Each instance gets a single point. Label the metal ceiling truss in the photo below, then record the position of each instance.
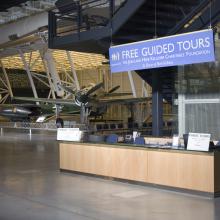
(57, 67)
(5, 90)
(50, 78)
(80, 60)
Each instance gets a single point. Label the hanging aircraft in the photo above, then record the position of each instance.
(28, 112)
(92, 100)
(18, 112)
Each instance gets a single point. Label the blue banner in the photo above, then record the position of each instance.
(194, 47)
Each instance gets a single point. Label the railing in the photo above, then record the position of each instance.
(81, 16)
(38, 126)
(27, 125)
(102, 128)
(193, 15)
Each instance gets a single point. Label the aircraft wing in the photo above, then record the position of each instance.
(71, 102)
(26, 105)
(117, 94)
(45, 100)
(113, 89)
(124, 101)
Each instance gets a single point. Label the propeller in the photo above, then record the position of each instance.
(94, 88)
(111, 94)
(113, 89)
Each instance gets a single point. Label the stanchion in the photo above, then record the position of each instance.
(30, 133)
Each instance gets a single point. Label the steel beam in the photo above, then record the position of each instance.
(27, 68)
(181, 114)
(48, 57)
(7, 79)
(157, 104)
(48, 76)
(181, 103)
(73, 70)
(180, 25)
(132, 84)
(144, 89)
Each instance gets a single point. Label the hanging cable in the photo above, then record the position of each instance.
(155, 18)
(111, 7)
(210, 14)
(111, 33)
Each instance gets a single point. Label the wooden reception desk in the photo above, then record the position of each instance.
(181, 169)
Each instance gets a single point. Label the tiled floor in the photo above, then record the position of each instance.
(32, 188)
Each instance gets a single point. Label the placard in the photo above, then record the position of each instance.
(69, 134)
(176, 141)
(136, 134)
(198, 141)
(41, 119)
(189, 48)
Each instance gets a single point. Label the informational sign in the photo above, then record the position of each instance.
(69, 134)
(198, 141)
(176, 141)
(136, 134)
(194, 47)
(41, 119)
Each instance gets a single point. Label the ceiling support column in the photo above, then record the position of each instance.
(27, 68)
(132, 84)
(157, 104)
(48, 58)
(48, 76)
(76, 82)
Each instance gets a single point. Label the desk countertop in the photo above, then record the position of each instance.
(143, 147)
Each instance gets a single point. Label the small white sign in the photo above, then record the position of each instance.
(136, 134)
(69, 134)
(41, 119)
(176, 141)
(198, 142)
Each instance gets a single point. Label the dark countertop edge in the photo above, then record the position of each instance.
(135, 147)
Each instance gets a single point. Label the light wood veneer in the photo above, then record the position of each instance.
(193, 171)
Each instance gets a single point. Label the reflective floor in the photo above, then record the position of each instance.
(32, 188)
